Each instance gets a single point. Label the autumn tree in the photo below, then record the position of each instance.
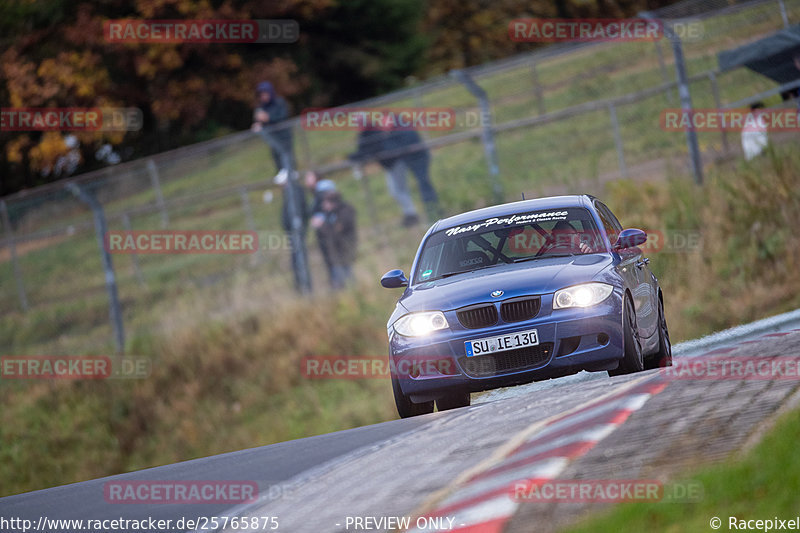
(464, 34)
(54, 54)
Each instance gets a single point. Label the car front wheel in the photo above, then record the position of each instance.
(632, 360)
(453, 401)
(405, 407)
(663, 357)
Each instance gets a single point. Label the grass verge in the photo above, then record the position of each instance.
(762, 485)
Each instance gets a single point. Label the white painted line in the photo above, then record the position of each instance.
(550, 468)
(546, 468)
(591, 434)
(630, 401)
(492, 509)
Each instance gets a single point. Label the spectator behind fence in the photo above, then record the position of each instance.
(754, 134)
(338, 237)
(272, 109)
(293, 189)
(318, 189)
(373, 143)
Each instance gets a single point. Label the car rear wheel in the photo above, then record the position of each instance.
(663, 357)
(632, 360)
(405, 407)
(453, 401)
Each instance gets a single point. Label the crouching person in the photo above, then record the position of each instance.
(338, 237)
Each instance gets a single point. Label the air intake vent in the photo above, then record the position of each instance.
(477, 316)
(518, 309)
(489, 365)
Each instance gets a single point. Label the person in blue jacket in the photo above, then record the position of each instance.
(272, 109)
(378, 145)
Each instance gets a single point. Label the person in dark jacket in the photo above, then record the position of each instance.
(370, 145)
(339, 237)
(319, 189)
(272, 109)
(374, 143)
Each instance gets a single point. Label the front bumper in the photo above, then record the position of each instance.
(570, 340)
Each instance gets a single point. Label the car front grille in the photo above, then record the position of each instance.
(518, 309)
(477, 316)
(503, 362)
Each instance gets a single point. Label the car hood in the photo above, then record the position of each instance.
(540, 276)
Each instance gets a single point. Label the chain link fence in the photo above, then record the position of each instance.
(564, 118)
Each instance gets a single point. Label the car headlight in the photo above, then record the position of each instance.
(419, 324)
(584, 295)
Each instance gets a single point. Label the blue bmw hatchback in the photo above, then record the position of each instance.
(520, 292)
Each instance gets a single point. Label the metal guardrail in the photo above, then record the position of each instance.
(151, 174)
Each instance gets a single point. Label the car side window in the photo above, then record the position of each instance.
(613, 217)
(610, 222)
(429, 262)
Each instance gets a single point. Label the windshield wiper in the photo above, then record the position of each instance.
(532, 257)
(448, 274)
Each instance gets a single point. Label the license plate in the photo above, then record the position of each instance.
(502, 343)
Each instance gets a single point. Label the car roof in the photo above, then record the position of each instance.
(523, 206)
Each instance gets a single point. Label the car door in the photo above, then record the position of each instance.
(634, 268)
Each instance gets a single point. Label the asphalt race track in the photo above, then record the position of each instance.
(450, 465)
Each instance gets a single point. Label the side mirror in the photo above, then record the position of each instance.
(394, 279)
(628, 238)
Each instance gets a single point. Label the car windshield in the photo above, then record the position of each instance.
(508, 239)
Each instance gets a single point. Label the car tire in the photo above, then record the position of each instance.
(453, 401)
(663, 357)
(632, 359)
(405, 407)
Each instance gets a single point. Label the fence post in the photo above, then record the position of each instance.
(358, 174)
(248, 212)
(784, 16)
(126, 223)
(251, 224)
(663, 67)
(290, 189)
(685, 97)
(623, 168)
(12, 247)
(712, 77)
(111, 281)
(308, 156)
(418, 96)
(487, 135)
(537, 89)
(152, 169)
